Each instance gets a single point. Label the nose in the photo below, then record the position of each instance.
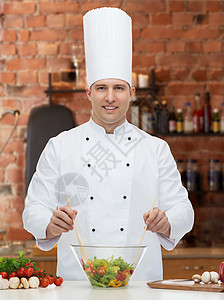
(110, 96)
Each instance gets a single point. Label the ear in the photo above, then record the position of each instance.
(88, 94)
(132, 92)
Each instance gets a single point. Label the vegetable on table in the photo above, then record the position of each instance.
(206, 277)
(20, 272)
(4, 275)
(58, 281)
(44, 282)
(14, 282)
(108, 273)
(34, 282)
(24, 283)
(4, 283)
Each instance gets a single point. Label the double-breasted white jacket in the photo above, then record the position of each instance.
(111, 180)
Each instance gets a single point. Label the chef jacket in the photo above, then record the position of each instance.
(111, 180)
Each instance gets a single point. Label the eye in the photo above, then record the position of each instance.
(100, 88)
(119, 88)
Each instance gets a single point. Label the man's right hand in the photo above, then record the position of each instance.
(61, 221)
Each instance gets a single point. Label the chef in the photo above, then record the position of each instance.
(110, 170)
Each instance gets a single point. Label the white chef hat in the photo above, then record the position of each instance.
(108, 44)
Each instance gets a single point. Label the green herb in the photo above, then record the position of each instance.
(10, 265)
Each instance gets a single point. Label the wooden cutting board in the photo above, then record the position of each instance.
(181, 284)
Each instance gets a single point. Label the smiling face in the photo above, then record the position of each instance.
(110, 100)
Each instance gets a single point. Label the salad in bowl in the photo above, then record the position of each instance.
(109, 266)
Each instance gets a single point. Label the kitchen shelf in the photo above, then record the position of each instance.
(203, 134)
(150, 90)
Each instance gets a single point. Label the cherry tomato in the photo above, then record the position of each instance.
(28, 265)
(21, 272)
(28, 272)
(13, 274)
(50, 278)
(4, 275)
(58, 281)
(44, 282)
(119, 276)
(100, 271)
(125, 273)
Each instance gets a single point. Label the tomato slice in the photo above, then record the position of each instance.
(125, 273)
(100, 271)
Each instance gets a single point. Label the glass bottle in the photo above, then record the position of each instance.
(146, 116)
(188, 119)
(77, 59)
(179, 120)
(214, 175)
(207, 113)
(222, 119)
(192, 175)
(164, 119)
(135, 111)
(215, 121)
(181, 169)
(198, 118)
(156, 114)
(172, 120)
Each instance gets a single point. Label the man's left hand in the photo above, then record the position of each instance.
(157, 221)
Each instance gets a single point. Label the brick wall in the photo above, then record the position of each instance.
(181, 40)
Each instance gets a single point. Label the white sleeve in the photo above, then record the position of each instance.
(47, 245)
(41, 198)
(173, 199)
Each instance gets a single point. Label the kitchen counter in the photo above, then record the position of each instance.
(193, 253)
(185, 262)
(82, 290)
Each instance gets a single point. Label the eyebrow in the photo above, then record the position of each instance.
(98, 85)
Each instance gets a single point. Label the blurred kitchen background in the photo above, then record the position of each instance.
(178, 47)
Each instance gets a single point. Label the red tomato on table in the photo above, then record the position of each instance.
(4, 275)
(28, 272)
(58, 281)
(44, 282)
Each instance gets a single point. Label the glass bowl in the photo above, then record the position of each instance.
(108, 266)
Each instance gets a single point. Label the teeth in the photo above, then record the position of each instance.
(109, 107)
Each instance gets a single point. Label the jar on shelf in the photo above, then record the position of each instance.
(214, 175)
(192, 175)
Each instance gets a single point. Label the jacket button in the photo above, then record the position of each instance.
(121, 229)
(87, 138)
(124, 197)
(89, 165)
(91, 198)
(93, 229)
(129, 138)
(127, 164)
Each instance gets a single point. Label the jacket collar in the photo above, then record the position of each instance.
(102, 131)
